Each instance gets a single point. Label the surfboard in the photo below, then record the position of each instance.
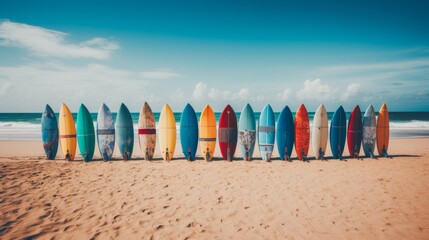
(319, 133)
(302, 133)
(189, 132)
(207, 133)
(49, 133)
(67, 131)
(247, 132)
(369, 132)
(167, 133)
(354, 132)
(85, 133)
(383, 131)
(105, 132)
(147, 131)
(125, 132)
(228, 133)
(285, 134)
(266, 132)
(338, 133)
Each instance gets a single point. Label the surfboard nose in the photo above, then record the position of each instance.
(48, 108)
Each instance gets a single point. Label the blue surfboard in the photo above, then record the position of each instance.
(189, 132)
(247, 132)
(338, 132)
(105, 132)
(266, 132)
(125, 132)
(49, 133)
(285, 133)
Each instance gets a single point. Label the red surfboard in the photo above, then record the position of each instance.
(354, 132)
(302, 133)
(227, 133)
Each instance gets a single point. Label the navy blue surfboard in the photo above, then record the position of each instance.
(49, 133)
(338, 132)
(285, 133)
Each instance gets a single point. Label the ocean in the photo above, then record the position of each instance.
(26, 126)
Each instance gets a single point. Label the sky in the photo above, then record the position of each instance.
(214, 52)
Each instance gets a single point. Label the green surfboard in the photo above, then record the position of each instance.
(85, 133)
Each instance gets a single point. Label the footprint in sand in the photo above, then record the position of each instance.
(191, 224)
(116, 218)
(5, 227)
(160, 227)
(67, 228)
(22, 215)
(47, 214)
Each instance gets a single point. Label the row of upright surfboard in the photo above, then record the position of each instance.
(369, 132)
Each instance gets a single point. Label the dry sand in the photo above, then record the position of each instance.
(368, 199)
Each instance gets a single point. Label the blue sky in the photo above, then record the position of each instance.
(214, 52)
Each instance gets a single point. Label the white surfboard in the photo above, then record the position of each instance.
(369, 132)
(319, 132)
(147, 132)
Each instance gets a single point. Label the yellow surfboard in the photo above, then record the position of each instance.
(207, 132)
(383, 131)
(67, 131)
(167, 133)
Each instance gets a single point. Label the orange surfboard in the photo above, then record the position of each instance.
(383, 131)
(207, 133)
(302, 132)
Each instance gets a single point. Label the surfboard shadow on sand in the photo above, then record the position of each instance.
(363, 157)
(274, 159)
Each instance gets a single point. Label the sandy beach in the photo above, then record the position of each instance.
(356, 199)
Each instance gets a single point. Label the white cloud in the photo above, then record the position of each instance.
(244, 94)
(50, 43)
(367, 98)
(52, 82)
(54, 72)
(316, 90)
(200, 91)
(160, 74)
(283, 96)
(422, 94)
(384, 66)
(261, 98)
(5, 88)
(351, 90)
(214, 93)
(59, 72)
(178, 95)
